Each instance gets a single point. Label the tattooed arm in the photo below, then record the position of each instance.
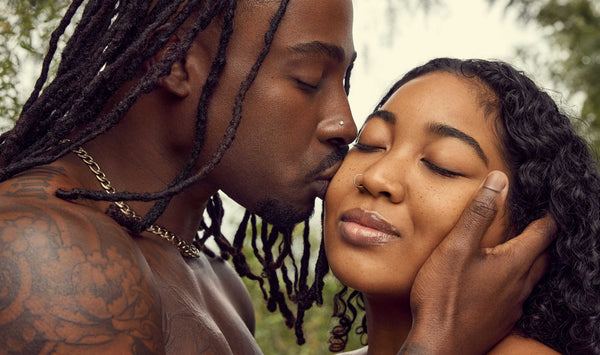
(71, 280)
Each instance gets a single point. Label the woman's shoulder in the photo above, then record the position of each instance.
(515, 344)
(360, 351)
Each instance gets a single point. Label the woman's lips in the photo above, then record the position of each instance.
(361, 227)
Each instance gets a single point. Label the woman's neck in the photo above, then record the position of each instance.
(388, 323)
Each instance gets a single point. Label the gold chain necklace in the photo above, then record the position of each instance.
(187, 250)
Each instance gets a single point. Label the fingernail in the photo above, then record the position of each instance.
(495, 181)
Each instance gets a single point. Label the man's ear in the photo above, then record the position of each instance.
(177, 81)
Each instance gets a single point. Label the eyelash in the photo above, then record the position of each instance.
(430, 165)
(366, 148)
(306, 86)
(439, 170)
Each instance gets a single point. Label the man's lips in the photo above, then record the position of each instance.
(327, 174)
(366, 228)
(322, 184)
(331, 161)
(324, 179)
(323, 174)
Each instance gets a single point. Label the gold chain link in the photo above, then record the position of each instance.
(187, 250)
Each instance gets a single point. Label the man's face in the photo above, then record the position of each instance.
(296, 118)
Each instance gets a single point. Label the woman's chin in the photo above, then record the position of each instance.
(373, 286)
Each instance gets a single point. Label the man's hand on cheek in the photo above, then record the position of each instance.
(466, 298)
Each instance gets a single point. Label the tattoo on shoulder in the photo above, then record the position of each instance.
(60, 293)
(34, 183)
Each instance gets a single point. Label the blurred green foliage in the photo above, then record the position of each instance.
(25, 27)
(274, 337)
(573, 32)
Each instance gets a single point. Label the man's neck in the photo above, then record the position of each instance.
(130, 165)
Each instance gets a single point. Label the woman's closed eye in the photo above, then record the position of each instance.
(367, 147)
(439, 170)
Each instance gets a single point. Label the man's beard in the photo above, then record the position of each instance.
(282, 215)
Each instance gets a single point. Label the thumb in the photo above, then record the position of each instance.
(481, 211)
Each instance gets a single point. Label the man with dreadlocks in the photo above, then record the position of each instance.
(109, 169)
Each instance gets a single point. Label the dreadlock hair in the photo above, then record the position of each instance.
(117, 37)
(552, 170)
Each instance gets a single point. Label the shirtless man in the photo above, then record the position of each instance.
(140, 91)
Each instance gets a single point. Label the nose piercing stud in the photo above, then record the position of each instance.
(360, 187)
(342, 123)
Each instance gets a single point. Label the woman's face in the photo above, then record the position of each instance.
(421, 158)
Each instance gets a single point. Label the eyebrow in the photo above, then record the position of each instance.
(334, 52)
(438, 129)
(387, 116)
(443, 130)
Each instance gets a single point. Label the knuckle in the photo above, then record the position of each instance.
(454, 253)
(483, 208)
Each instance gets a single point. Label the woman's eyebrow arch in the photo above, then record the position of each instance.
(387, 116)
(444, 130)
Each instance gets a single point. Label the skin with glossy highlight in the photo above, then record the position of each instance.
(415, 166)
(423, 154)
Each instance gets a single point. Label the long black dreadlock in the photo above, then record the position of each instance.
(117, 37)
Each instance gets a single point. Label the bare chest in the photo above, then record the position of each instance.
(202, 314)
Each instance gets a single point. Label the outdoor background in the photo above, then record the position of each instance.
(557, 42)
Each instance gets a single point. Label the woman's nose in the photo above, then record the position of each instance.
(381, 182)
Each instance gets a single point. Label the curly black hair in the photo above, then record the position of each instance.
(552, 170)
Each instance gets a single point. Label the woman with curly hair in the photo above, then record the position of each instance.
(432, 139)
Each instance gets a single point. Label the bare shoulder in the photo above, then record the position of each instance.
(359, 351)
(235, 291)
(70, 280)
(515, 344)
